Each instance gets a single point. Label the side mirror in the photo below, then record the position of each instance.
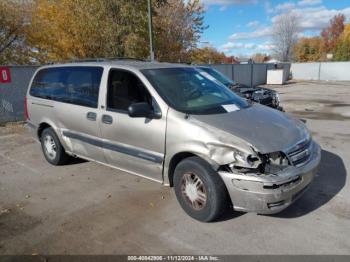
(140, 110)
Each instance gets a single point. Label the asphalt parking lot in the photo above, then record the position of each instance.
(86, 208)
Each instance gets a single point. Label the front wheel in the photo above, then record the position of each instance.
(199, 189)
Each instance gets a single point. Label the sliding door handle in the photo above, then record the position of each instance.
(91, 116)
(107, 119)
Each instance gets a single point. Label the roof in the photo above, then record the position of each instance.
(126, 63)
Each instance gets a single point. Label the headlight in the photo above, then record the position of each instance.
(307, 134)
(239, 156)
(305, 131)
(245, 160)
(277, 97)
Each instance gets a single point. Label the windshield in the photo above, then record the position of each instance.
(219, 76)
(191, 91)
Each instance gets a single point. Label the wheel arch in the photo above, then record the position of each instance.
(46, 123)
(177, 158)
(42, 126)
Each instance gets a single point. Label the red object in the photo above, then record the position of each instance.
(26, 115)
(230, 60)
(5, 75)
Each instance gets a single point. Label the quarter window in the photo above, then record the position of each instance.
(74, 85)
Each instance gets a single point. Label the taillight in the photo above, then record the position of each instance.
(26, 115)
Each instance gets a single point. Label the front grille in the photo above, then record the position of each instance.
(300, 154)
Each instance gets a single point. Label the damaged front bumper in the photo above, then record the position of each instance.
(269, 194)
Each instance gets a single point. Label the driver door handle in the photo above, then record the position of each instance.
(107, 119)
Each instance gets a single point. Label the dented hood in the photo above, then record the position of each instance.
(266, 129)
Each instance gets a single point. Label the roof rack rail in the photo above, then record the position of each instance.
(128, 58)
(77, 60)
(83, 60)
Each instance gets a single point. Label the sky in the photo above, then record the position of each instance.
(243, 27)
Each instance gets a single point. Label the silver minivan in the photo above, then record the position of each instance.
(177, 126)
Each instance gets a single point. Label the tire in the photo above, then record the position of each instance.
(52, 148)
(195, 172)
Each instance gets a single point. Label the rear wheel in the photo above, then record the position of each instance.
(52, 148)
(199, 189)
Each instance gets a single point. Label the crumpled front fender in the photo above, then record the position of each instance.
(188, 135)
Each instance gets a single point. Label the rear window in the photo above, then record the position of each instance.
(74, 85)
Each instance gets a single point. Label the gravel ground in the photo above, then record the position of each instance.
(86, 208)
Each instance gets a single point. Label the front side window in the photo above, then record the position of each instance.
(190, 91)
(74, 85)
(124, 89)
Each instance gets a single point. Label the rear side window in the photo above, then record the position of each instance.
(74, 85)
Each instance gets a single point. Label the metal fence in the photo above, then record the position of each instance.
(12, 94)
(249, 74)
(334, 71)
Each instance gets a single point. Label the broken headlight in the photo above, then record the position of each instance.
(259, 164)
(245, 160)
(275, 99)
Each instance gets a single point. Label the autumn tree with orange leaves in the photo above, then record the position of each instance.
(332, 32)
(65, 29)
(309, 49)
(334, 39)
(57, 30)
(13, 23)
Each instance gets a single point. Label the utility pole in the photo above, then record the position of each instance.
(150, 30)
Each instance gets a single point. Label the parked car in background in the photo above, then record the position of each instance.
(174, 125)
(264, 96)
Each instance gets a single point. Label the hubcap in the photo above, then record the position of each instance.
(193, 191)
(50, 147)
